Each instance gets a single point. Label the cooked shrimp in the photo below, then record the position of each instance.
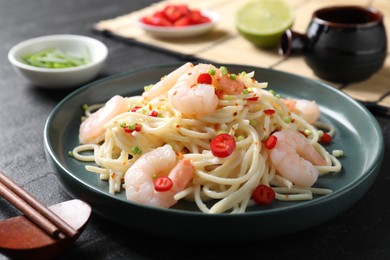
(167, 82)
(309, 110)
(294, 158)
(191, 98)
(92, 129)
(197, 100)
(159, 162)
(230, 86)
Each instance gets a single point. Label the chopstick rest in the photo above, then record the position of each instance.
(20, 238)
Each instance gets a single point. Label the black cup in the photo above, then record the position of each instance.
(342, 43)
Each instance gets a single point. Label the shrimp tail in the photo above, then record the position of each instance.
(181, 174)
(92, 129)
(167, 82)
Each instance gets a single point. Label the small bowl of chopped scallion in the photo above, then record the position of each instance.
(59, 61)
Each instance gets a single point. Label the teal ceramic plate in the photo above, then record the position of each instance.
(357, 133)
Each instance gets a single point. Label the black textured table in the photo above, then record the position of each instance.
(361, 232)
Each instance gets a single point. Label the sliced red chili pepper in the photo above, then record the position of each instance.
(153, 113)
(162, 184)
(270, 142)
(156, 20)
(172, 13)
(197, 17)
(263, 195)
(269, 112)
(175, 15)
(128, 130)
(183, 21)
(253, 99)
(205, 78)
(138, 127)
(135, 108)
(222, 145)
(326, 138)
(183, 8)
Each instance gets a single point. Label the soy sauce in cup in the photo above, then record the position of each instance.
(342, 43)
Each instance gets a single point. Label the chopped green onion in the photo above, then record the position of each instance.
(70, 153)
(85, 106)
(122, 124)
(287, 120)
(233, 76)
(131, 127)
(245, 91)
(211, 71)
(223, 70)
(55, 58)
(228, 97)
(136, 150)
(272, 92)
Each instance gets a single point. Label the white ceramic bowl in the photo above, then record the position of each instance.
(62, 77)
(181, 31)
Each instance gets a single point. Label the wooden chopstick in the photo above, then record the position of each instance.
(34, 209)
(29, 211)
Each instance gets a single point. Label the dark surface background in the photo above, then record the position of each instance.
(361, 232)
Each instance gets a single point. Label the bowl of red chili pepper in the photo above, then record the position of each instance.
(178, 20)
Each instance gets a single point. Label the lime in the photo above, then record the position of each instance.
(263, 21)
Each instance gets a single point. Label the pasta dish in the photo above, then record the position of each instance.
(209, 135)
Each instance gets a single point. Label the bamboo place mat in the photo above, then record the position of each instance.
(225, 45)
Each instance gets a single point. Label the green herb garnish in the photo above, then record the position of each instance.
(55, 59)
